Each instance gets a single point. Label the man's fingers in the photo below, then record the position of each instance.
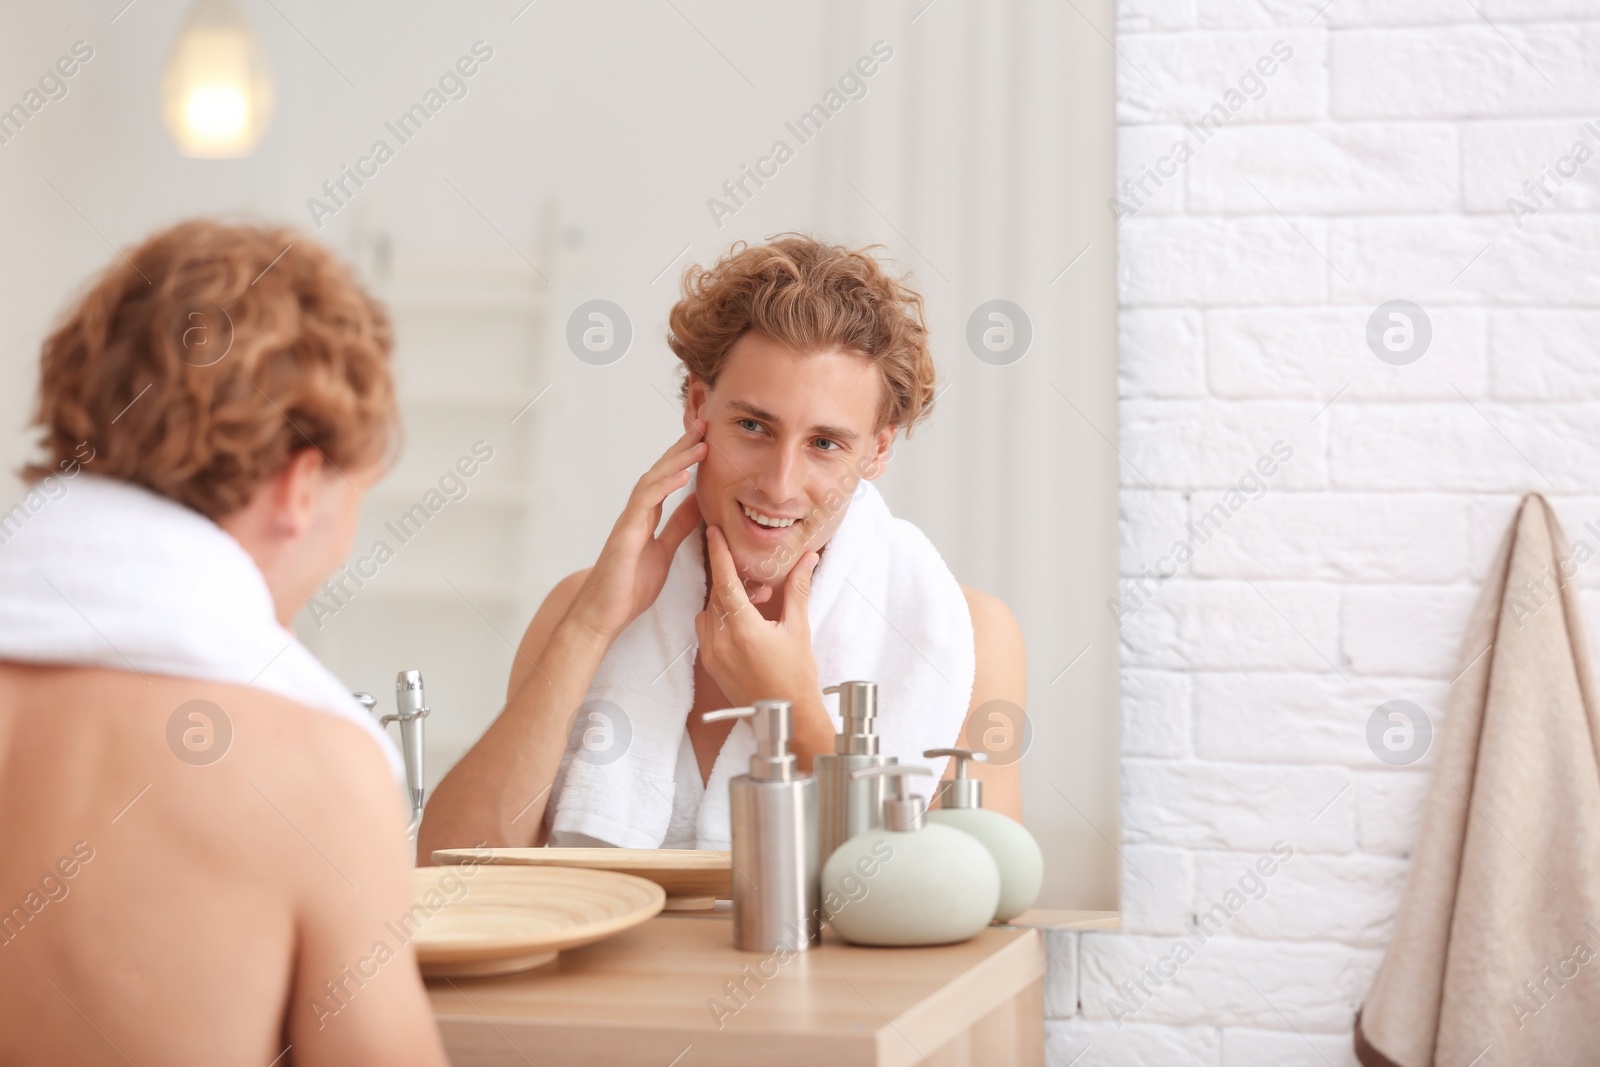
(685, 451)
(797, 594)
(655, 486)
(684, 519)
(726, 589)
(669, 474)
(645, 504)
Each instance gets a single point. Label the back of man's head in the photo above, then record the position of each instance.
(200, 362)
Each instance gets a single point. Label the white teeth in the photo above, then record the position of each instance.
(757, 517)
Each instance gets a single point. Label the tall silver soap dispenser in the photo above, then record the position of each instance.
(847, 805)
(1015, 851)
(773, 810)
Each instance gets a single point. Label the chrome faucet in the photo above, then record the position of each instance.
(413, 708)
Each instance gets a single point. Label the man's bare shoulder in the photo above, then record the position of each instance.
(170, 730)
(122, 700)
(992, 619)
(1000, 658)
(1001, 674)
(316, 768)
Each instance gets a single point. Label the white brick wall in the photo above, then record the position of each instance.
(1373, 165)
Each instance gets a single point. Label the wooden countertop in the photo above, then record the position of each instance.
(646, 997)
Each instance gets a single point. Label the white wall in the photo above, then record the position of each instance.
(1381, 158)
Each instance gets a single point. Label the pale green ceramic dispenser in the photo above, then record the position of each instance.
(1015, 851)
(909, 882)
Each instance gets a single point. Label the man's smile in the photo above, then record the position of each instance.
(766, 518)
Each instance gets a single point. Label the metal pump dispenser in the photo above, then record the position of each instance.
(847, 805)
(773, 812)
(960, 791)
(901, 813)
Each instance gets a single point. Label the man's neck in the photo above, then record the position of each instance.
(246, 530)
(773, 608)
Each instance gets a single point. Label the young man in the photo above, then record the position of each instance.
(204, 833)
(781, 572)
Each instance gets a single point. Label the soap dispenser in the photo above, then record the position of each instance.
(773, 814)
(908, 882)
(845, 805)
(1015, 851)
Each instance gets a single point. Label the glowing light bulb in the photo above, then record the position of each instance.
(216, 91)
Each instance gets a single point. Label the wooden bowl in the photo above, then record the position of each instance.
(692, 878)
(485, 920)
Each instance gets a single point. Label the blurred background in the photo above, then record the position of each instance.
(591, 154)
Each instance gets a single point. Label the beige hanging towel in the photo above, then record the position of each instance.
(1495, 959)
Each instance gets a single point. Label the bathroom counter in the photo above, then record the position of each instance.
(645, 997)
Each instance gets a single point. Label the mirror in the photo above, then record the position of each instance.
(526, 184)
(981, 181)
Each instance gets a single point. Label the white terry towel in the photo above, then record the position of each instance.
(111, 575)
(884, 608)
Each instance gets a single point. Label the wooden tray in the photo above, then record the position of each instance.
(692, 878)
(495, 920)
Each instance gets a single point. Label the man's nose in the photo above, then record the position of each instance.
(779, 479)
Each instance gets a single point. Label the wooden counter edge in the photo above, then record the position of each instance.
(953, 1009)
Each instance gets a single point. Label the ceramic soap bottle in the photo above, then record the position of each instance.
(1015, 851)
(908, 882)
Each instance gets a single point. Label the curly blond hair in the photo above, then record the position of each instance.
(810, 296)
(198, 364)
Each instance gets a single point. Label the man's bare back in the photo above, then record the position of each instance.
(157, 909)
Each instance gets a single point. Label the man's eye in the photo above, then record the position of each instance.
(750, 424)
(832, 445)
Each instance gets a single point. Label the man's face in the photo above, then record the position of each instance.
(791, 435)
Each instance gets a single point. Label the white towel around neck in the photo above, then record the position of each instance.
(884, 608)
(96, 572)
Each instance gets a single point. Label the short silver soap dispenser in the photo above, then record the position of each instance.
(773, 811)
(1015, 851)
(847, 805)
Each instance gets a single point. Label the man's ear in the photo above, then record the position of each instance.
(293, 492)
(694, 401)
(882, 451)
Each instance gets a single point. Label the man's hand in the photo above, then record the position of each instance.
(747, 656)
(633, 565)
(498, 792)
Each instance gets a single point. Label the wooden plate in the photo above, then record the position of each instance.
(484, 920)
(692, 878)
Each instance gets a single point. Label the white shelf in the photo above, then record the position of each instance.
(476, 329)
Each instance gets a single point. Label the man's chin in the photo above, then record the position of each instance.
(757, 569)
(762, 565)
